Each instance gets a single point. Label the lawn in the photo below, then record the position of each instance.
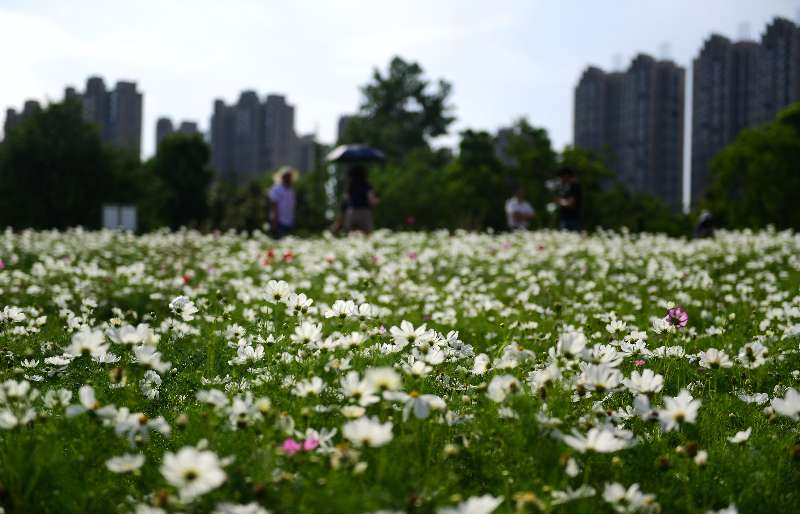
(405, 372)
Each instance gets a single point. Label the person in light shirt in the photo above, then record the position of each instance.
(282, 202)
(519, 212)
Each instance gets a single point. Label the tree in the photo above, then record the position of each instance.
(401, 111)
(55, 172)
(755, 181)
(181, 167)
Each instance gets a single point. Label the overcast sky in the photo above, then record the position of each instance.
(506, 59)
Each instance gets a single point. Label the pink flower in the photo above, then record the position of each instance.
(310, 444)
(290, 446)
(677, 316)
(639, 362)
(2, 264)
(412, 256)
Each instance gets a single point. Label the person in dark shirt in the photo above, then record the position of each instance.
(360, 200)
(569, 200)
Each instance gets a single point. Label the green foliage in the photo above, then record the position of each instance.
(400, 111)
(755, 180)
(55, 172)
(181, 167)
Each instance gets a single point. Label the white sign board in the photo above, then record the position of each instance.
(119, 217)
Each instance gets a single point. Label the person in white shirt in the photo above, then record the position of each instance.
(519, 212)
(282, 200)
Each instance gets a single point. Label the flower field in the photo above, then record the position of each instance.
(405, 372)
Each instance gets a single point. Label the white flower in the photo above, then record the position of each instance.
(277, 291)
(501, 386)
(741, 436)
(125, 463)
(247, 508)
(363, 391)
(713, 358)
(600, 440)
(383, 378)
(630, 499)
(367, 431)
(183, 307)
(312, 386)
(646, 382)
(246, 353)
(149, 357)
(193, 472)
(599, 377)
(421, 404)
(570, 494)
(90, 342)
(89, 403)
(481, 364)
(570, 344)
(616, 326)
(406, 333)
(342, 309)
(680, 409)
(307, 333)
(789, 405)
(476, 505)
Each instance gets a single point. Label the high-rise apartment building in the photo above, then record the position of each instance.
(633, 120)
(164, 128)
(253, 137)
(116, 113)
(737, 85)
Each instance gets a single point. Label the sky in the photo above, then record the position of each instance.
(505, 58)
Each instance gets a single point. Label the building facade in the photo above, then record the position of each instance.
(116, 113)
(737, 85)
(165, 127)
(633, 120)
(252, 136)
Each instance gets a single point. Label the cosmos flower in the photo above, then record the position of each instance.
(789, 405)
(600, 440)
(677, 317)
(741, 437)
(485, 504)
(678, 410)
(126, 463)
(193, 472)
(368, 432)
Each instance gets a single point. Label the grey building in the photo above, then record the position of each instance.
(738, 85)
(633, 120)
(13, 118)
(779, 69)
(723, 101)
(252, 137)
(597, 114)
(165, 127)
(116, 113)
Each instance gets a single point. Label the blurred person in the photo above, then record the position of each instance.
(519, 212)
(360, 200)
(282, 202)
(569, 200)
(705, 226)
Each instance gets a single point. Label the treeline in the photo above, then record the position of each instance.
(56, 173)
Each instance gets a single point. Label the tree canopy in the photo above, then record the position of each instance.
(755, 181)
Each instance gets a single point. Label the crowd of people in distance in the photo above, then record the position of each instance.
(359, 200)
(520, 213)
(355, 211)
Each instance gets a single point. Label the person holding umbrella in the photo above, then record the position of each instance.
(359, 198)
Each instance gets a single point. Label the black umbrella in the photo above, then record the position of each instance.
(355, 153)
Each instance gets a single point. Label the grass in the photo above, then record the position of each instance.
(497, 291)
